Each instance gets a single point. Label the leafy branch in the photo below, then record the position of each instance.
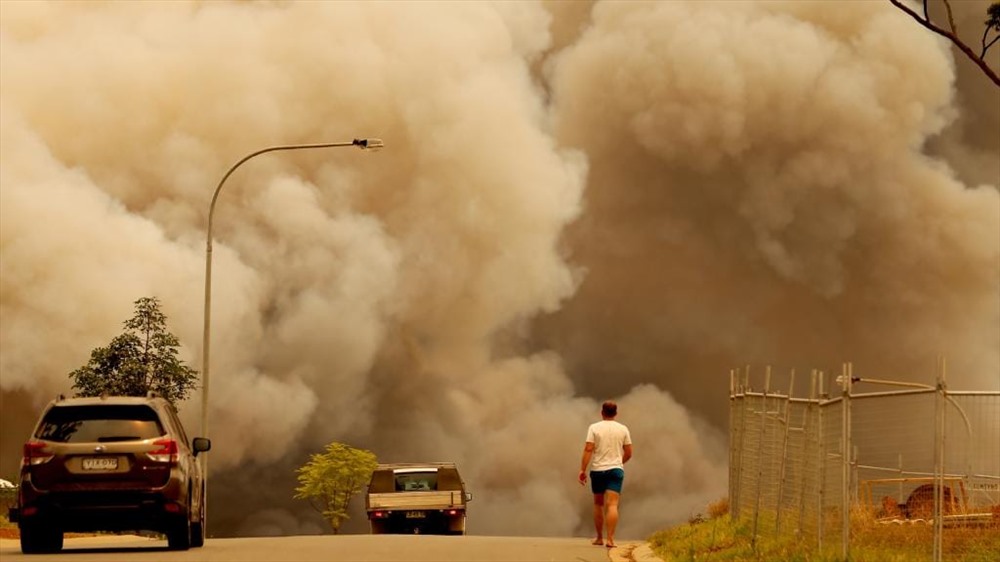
(992, 24)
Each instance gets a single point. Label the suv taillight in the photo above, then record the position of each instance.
(35, 453)
(167, 451)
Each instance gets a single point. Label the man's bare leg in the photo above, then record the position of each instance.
(599, 518)
(611, 506)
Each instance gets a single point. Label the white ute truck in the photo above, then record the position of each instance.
(410, 498)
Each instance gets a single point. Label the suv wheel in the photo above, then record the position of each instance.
(198, 527)
(37, 539)
(179, 538)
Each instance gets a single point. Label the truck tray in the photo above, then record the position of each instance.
(415, 500)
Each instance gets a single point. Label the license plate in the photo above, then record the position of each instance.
(101, 463)
(415, 515)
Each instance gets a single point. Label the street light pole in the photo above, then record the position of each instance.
(364, 144)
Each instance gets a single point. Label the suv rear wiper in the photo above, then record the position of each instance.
(119, 438)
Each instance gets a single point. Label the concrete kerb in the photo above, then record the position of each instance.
(633, 552)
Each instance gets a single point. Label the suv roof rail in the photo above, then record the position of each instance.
(152, 394)
(61, 397)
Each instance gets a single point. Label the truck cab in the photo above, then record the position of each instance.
(417, 498)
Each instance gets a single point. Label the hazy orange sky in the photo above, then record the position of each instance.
(577, 201)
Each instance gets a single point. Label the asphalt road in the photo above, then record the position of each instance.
(335, 548)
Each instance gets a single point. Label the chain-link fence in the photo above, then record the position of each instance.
(833, 466)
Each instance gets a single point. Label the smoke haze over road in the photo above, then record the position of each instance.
(578, 201)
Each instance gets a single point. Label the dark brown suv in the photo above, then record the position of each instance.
(110, 464)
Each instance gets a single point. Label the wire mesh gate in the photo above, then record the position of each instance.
(823, 465)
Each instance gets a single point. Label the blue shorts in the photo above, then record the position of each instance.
(604, 480)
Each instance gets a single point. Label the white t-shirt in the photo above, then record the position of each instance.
(609, 437)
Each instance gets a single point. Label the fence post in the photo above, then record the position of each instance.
(821, 455)
(734, 504)
(806, 438)
(784, 453)
(939, 438)
(845, 499)
(735, 446)
(760, 457)
(899, 486)
(732, 440)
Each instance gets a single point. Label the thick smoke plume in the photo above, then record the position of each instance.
(577, 202)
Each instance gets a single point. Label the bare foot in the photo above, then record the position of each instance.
(611, 545)
(598, 541)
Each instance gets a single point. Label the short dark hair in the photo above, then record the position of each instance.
(609, 409)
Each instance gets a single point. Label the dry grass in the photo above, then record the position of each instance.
(719, 508)
(721, 538)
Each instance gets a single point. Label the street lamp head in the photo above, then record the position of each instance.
(369, 144)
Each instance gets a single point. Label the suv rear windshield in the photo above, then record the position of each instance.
(102, 424)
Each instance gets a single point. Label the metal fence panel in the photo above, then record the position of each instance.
(828, 470)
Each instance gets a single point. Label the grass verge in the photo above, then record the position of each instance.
(720, 538)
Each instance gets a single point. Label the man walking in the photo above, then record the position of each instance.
(609, 446)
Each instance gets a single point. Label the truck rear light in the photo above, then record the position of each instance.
(171, 507)
(167, 451)
(35, 453)
(452, 512)
(379, 515)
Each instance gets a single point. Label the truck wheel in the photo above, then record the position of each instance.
(37, 539)
(378, 527)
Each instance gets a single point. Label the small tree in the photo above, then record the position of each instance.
(142, 359)
(330, 479)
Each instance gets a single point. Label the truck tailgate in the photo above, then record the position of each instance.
(415, 500)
